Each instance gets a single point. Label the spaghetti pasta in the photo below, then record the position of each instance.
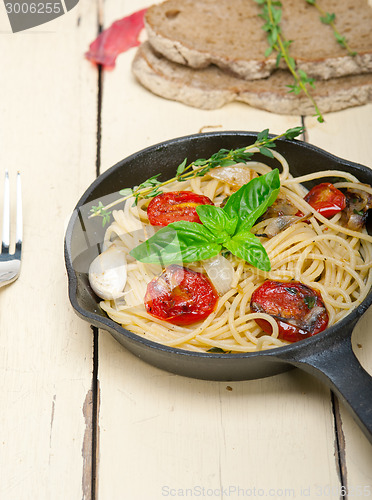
(319, 252)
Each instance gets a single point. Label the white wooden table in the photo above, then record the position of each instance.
(80, 416)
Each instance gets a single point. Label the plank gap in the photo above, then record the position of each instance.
(340, 451)
(304, 133)
(99, 116)
(95, 413)
(95, 382)
(99, 96)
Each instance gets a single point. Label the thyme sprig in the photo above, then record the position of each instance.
(329, 18)
(102, 211)
(198, 168)
(272, 14)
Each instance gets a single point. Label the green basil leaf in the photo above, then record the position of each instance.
(217, 221)
(253, 199)
(180, 241)
(248, 247)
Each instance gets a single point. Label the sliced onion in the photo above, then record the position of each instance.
(281, 206)
(308, 321)
(235, 175)
(221, 273)
(108, 273)
(355, 222)
(282, 222)
(358, 202)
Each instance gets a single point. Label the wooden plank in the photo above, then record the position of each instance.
(48, 132)
(165, 435)
(347, 135)
(183, 434)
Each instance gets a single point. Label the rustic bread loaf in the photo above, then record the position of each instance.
(229, 33)
(211, 88)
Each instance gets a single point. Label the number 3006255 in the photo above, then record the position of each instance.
(33, 8)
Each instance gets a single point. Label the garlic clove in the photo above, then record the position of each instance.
(108, 273)
(235, 175)
(221, 273)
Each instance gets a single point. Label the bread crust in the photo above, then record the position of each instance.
(181, 53)
(212, 88)
(228, 33)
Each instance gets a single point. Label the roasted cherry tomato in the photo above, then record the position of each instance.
(174, 206)
(326, 199)
(297, 308)
(180, 296)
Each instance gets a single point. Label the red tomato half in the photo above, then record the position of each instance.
(174, 206)
(326, 199)
(180, 296)
(297, 308)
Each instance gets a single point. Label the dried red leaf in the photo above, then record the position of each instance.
(118, 38)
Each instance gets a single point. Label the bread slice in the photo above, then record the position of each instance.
(211, 88)
(229, 33)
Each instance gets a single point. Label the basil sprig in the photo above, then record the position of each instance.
(228, 227)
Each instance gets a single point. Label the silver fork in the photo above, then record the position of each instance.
(10, 264)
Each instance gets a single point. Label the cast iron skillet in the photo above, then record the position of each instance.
(328, 355)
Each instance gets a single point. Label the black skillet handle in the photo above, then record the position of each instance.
(334, 363)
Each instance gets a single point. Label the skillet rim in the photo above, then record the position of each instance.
(107, 324)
